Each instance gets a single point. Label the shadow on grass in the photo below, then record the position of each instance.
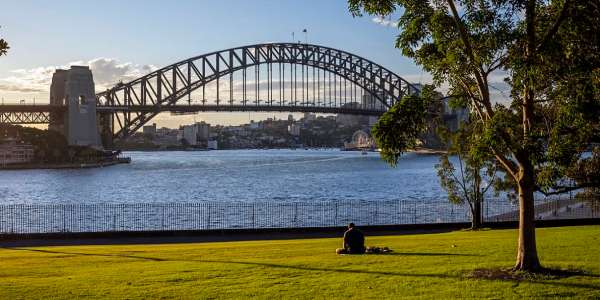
(547, 276)
(85, 254)
(536, 280)
(425, 254)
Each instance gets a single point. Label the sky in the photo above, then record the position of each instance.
(127, 39)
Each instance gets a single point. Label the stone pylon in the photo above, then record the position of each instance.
(75, 89)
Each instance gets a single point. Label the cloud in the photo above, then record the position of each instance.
(32, 80)
(384, 21)
(107, 72)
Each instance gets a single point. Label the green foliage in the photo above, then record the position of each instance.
(3, 46)
(549, 55)
(50, 146)
(475, 174)
(551, 65)
(586, 173)
(399, 128)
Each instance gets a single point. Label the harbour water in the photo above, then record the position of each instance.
(230, 176)
(239, 189)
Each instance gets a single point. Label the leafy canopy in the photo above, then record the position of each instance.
(548, 54)
(399, 128)
(3, 47)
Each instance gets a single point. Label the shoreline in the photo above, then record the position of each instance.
(40, 166)
(417, 151)
(427, 151)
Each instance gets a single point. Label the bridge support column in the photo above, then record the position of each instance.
(57, 97)
(105, 124)
(75, 88)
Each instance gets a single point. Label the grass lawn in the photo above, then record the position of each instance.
(423, 266)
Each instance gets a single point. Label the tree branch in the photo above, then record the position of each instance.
(565, 189)
(473, 99)
(491, 181)
(552, 30)
(461, 182)
(509, 165)
(497, 63)
(478, 72)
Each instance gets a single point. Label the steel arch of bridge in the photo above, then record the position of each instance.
(132, 104)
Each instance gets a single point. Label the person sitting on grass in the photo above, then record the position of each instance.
(354, 241)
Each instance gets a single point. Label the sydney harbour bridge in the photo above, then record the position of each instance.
(271, 77)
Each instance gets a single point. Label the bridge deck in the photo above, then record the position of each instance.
(195, 108)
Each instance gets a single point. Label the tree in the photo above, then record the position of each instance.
(474, 176)
(548, 52)
(3, 46)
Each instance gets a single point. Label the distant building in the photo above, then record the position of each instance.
(12, 152)
(309, 117)
(149, 130)
(195, 134)
(294, 129)
(350, 120)
(203, 131)
(453, 117)
(254, 125)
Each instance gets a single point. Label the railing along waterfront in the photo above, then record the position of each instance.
(56, 218)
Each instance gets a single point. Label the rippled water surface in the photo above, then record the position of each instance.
(237, 175)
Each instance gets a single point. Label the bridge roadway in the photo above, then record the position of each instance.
(46, 108)
(40, 113)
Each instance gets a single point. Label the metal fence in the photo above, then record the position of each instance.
(53, 218)
(556, 208)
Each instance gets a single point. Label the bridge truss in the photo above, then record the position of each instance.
(280, 77)
(29, 114)
(25, 117)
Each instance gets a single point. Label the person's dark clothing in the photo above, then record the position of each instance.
(354, 241)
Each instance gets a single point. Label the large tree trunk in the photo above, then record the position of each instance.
(476, 215)
(476, 208)
(527, 258)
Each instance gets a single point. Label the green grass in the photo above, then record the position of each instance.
(423, 266)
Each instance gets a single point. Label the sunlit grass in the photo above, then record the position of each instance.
(429, 266)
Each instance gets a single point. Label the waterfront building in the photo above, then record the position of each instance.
(360, 141)
(12, 152)
(294, 129)
(149, 130)
(194, 134)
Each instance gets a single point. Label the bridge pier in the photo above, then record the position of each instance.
(75, 89)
